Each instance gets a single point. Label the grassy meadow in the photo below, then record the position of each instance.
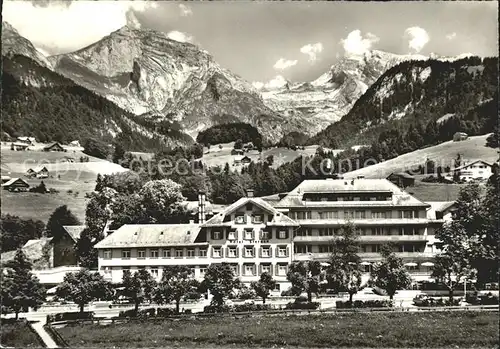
(353, 330)
(72, 179)
(18, 335)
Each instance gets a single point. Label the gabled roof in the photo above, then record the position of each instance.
(471, 163)
(38, 169)
(278, 217)
(34, 251)
(13, 180)
(401, 174)
(74, 231)
(438, 206)
(19, 144)
(151, 235)
(325, 186)
(53, 145)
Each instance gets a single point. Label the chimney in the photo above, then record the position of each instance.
(249, 193)
(201, 207)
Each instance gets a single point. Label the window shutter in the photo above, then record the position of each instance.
(237, 249)
(286, 234)
(276, 253)
(277, 269)
(260, 269)
(254, 270)
(271, 269)
(253, 251)
(260, 251)
(287, 251)
(212, 251)
(237, 269)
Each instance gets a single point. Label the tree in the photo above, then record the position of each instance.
(305, 276)
(15, 232)
(450, 270)
(119, 153)
(177, 281)
(221, 282)
(20, 288)
(84, 287)
(264, 286)
(390, 274)
(60, 217)
(95, 147)
(162, 200)
(344, 272)
(139, 286)
(238, 144)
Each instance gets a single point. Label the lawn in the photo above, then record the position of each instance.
(435, 191)
(373, 330)
(18, 335)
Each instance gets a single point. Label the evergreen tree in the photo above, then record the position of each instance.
(20, 288)
(59, 218)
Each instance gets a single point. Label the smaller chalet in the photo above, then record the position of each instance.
(460, 136)
(401, 179)
(16, 185)
(38, 172)
(246, 160)
(54, 147)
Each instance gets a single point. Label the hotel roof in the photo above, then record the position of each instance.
(325, 186)
(151, 235)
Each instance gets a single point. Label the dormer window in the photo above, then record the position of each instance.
(240, 219)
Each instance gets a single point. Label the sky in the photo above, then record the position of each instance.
(265, 42)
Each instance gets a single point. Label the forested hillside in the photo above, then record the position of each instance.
(40, 103)
(409, 96)
(226, 133)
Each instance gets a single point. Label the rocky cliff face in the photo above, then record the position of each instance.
(13, 43)
(332, 95)
(148, 74)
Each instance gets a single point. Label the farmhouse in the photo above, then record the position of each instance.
(475, 170)
(16, 185)
(27, 140)
(19, 146)
(254, 236)
(75, 143)
(246, 160)
(401, 179)
(460, 136)
(54, 147)
(237, 160)
(38, 172)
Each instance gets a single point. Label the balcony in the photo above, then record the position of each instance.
(364, 238)
(370, 256)
(368, 221)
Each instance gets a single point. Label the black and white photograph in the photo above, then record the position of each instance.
(249, 174)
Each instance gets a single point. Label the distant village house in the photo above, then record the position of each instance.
(460, 136)
(246, 160)
(27, 140)
(401, 179)
(19, 146)
(16, 185)
(5, 179)
(475, 170)
(54, 147)
(38, 172)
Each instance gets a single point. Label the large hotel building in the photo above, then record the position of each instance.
(256, 236)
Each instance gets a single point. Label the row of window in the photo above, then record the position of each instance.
(353, 214)
(217, 252)
(241, 218)
(361, 231)
(247, 269)
(249, 234)
(362, 248)
(307, 197)
(250, 251)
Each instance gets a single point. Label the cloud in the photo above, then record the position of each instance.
(185, 10)
(60, 26)
(312, 50)
(356, 45)
(179, 36)
(282, 64)
(451, 36)
(417, 38)
(277, 82)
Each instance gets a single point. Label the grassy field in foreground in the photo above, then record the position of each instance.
(18, 335)
(369, 330)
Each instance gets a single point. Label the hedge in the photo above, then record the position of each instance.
(364, 304)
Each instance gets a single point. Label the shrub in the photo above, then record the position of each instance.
(300, 305)
(364, 304)
(165, 312)
(211, 309)
(438, 302)
(246, 293)
(128, 313)
(251, 307)
(484, 299)
(70, 316)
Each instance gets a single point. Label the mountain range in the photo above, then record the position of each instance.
(170, 91)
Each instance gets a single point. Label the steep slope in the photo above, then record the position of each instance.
(148, 74)
(13, 43)
(39, 102)
(413, 92)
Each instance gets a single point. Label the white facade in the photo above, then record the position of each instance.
(475, 170)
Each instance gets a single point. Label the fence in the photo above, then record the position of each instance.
(56, 336)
